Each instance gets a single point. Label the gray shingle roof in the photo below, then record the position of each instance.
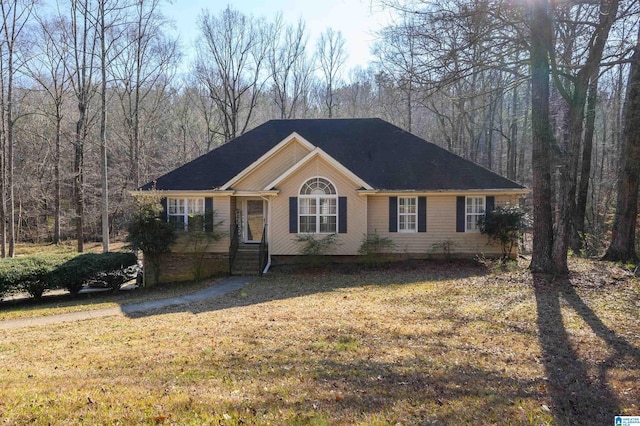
(381, 154)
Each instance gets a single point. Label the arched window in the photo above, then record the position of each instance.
(318, 207)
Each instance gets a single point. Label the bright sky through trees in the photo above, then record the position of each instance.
(358, 20)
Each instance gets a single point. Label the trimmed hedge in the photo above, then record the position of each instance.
(38, 273)
(73, 274)
(29, 273)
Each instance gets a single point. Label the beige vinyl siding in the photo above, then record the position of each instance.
(441, 227)
(283, 242)
(222, 208)
(272, 167)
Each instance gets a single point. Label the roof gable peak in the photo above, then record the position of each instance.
(318, 152)
(292, 138)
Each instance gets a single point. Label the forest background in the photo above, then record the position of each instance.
(96, 100)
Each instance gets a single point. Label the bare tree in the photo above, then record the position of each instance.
(576, 96)
(145, 65)
(207, 108)
(15, 15)
(622, 247)
(331, 56)
(109, 23)
(47, 69)
(397, 57)
(82, 39)
(542, 139)
(287, 58)
(230, 64)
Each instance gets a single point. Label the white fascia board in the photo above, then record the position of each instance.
(293, 136)
(183, 193)
(318, 152)
(272, 193)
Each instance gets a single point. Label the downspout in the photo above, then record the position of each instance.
(268, 265)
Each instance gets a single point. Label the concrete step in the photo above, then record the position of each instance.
(247, 260)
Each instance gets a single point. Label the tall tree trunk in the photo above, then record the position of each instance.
(103, 132)
(78, 166)
(512, 147)
(569, 161)
(56, 171)
(136, 98)
(622, 247)
(10, 32)
(10, 157)
(542, 139)
(3, 176)
(578, 233)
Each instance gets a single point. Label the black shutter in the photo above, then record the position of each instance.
(393, 214)
(293, 215)
(460, 214)
(422, 214)
(342, 215)
(208, 214)
(164, 213)
(490, 204)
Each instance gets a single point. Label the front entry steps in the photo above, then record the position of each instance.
(247, 261)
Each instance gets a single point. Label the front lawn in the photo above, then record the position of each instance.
(424, 344)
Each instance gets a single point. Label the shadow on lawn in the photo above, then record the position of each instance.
(290, 282)
(579, 398)
(419, 392)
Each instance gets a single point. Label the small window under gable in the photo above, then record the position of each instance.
(318, 207)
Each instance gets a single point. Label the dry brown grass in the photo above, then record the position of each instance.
(422, 344)
(69, 246)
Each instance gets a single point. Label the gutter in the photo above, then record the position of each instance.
(506, 191)
(266, 268)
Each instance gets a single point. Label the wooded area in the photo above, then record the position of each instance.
(96, 100)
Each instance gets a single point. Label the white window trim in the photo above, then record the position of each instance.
(185, 213)
(318, 214)
(407, 215)
(466, 214)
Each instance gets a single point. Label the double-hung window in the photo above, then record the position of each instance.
(318, 207)
(186, 214)
(407, 214)
(474, 208)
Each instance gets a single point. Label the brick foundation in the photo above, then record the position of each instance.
(179, 267)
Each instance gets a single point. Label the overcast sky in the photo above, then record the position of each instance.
(356, 19)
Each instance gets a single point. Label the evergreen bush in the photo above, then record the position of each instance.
(74, 273)
(150, 232)
(505, 225)
(38, 273)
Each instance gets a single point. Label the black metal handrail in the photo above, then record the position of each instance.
(264, 252)
(233, 245)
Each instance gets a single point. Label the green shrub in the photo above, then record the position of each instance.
(73, 274)
(149, 232)
(199, 242)
(315, 248)
(29, 273)
(504, 225)
(374, 247)
(38, 273)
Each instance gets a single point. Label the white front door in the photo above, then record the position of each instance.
(253, 220)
